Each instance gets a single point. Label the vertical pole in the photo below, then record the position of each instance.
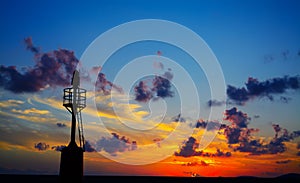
(75, 84)
(73, 127)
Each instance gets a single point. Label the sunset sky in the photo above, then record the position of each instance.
(159, 124)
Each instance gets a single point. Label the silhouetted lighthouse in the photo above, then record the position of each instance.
(71, 162)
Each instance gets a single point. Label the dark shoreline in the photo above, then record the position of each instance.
(144, 179)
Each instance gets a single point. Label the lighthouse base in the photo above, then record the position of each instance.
(71, 164)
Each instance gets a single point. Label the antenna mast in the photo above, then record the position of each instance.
(74, 101)
(71, 162)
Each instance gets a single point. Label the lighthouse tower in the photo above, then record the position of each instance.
(71, 162)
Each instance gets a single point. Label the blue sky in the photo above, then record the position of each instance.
(257, 39)
(239, 33)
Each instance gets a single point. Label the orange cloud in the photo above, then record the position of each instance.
(10, 103)
(31, 111)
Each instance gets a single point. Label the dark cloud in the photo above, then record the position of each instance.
(237, 118)
(168, 74)
(285, 99)
(209, 125)
(189, 149)
(52, 69)
(239, 95)
(178, 118)
(41, 146)
(142, 92)
(283, 55)
(277, 129)
(195, 163)
(238, 132)
(104, 85)
(61, 125)
(160, 87)
(276, 145)
(211, 103)
(239, 136)
(232, 135)
(256, 147)
(283, 161)
(256, 116)
(268, 88)
(115, 144)
(58, 148)
(30, 46)
(88, 147)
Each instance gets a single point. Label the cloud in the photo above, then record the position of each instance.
(41, 146)
(58, 148)
(61, 125)
(105, 86)
(142, 92)
(268, 88)
(36, 118)
(178, 118)
(285, 99)
(30, 46)
(189, 149)
(168, 74)
(283, 161)
(239, 133)
(160, 86)
(118, 109)
(10, 103)
(209, 125)
(33, 115)
(283, 55)
(115, 144)
(52, 69)
(194, 163)
(88, 147)
(211, 103)
(256, 116)
(31, 111)
(237, 118)
(247, 144)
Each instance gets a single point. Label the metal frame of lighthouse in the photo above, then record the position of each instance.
(71, 164)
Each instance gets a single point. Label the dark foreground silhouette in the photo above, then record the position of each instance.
(145, 179)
